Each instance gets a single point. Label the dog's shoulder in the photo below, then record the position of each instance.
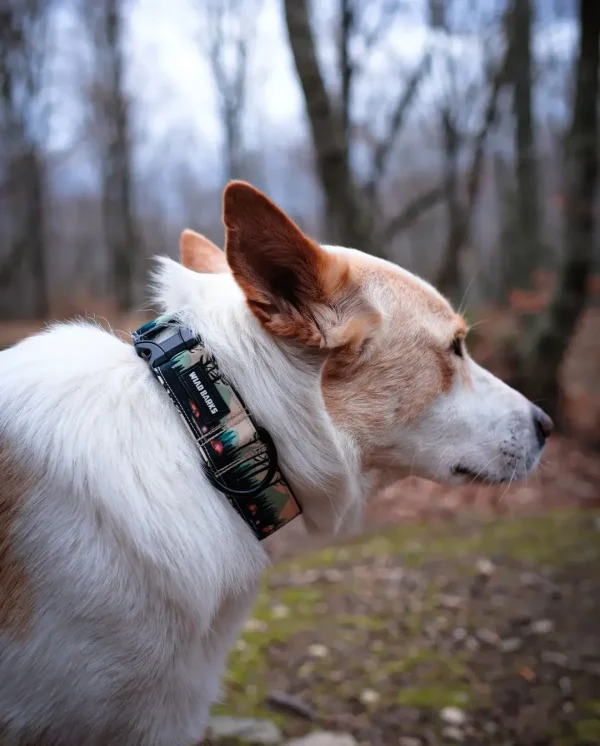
(61, 374)
(67, 348)
(115, 554)
(79, 408)
(45, 394)
(17, 478)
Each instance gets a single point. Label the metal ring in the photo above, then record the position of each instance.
(266, 438)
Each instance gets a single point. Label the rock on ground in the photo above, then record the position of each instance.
(260, 732)
(324, 738)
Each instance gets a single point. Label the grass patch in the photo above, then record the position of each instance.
(588, 731)
(329, 636)
(547, 539)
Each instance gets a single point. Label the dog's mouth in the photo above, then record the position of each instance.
(476, 476)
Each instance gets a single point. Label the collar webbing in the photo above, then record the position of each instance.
(239, 458)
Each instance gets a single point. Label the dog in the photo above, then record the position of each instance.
(125, 575)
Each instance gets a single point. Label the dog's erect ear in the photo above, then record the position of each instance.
(294, 287)
(201, 255)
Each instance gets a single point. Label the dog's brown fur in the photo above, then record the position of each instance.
(15, 593)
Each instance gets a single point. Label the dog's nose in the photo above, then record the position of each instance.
(542, 424)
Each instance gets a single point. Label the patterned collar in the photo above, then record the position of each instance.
(238, 456)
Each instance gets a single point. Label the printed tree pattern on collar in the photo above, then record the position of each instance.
(237, 455)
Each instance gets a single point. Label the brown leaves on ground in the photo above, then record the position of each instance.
(482, 632)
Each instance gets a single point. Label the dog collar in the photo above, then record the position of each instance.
(238, 457)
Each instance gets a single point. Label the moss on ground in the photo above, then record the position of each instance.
(545, 539)
(588, 731)
(335, 625)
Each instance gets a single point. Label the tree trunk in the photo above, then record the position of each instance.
(526, 250)
(581, 169)
(352, 224)
(346, 66)
(119, 224)
(227, 35)
(448, 280)
(233, 155)
(23, 260)
(23, 266)
(34, 233)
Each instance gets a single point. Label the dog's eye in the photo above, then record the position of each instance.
(457, 346)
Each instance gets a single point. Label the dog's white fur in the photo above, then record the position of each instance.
(140, 573)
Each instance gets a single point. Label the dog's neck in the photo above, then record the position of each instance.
(281, 388)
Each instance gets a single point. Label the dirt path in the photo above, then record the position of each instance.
(477, 633)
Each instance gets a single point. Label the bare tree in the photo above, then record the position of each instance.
(460, 209)
(349, 219)
(367, 23)
(397, 119)
(525, 251)
(461, 213)
(353, 208)
(413, 210)
(581, 169)
(110, 105)
(226, 37)
(347, 67)
(23, 47)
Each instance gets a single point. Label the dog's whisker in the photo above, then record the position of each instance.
(475, 324)
(504, 493)
(412, 464)
(461, 308)
(484, 469)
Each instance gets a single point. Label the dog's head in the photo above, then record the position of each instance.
(396, 375)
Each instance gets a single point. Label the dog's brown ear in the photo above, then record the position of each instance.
(201, 255)
(294, 287)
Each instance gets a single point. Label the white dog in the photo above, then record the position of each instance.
(125, 576)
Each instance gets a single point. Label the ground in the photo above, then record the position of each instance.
(380, 636)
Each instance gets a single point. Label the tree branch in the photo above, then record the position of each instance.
(461, 222)
(405, 101)
(388, 11)
(10, 265)
(228, 30)
(412, 211)
(489, 119)
(357, 26)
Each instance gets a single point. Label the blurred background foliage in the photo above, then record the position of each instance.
(454, 137)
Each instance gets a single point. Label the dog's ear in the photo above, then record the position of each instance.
(201, 255)
(294, 287)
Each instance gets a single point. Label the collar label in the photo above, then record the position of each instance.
(210, 403)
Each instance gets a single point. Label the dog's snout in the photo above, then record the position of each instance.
(542, 424)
